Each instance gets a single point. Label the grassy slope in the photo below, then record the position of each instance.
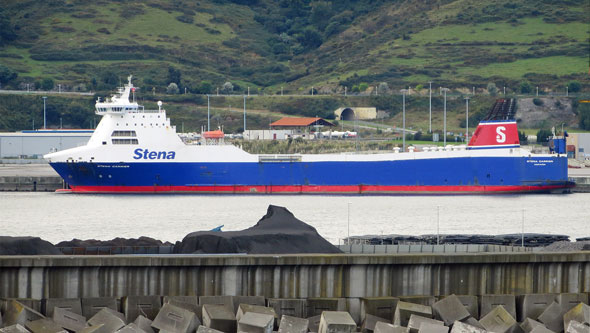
(224, 43)
(223, 39)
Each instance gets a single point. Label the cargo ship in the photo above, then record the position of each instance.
(134, 150)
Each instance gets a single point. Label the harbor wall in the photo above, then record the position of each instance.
(294, 276)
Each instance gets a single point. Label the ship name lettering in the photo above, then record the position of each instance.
(146, 154)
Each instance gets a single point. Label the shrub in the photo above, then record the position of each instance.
(543, 135)
(522, 137)
(574, 86)
(492, 89)
(525, 87)
(537, 101)
(47, 84)
(172, 88)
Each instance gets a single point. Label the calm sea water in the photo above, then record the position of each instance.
(56, 217)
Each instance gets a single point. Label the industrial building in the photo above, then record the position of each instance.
(300, 127)
(578, 145)
(34, 144)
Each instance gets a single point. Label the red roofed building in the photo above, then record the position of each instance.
(301, 127)
(290, 122)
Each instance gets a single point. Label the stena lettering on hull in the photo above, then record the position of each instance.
(153, 155)
(138, 150)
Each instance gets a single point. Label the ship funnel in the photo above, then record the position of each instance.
(495, 134)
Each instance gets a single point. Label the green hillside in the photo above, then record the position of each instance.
(296, 44)
(368, 48)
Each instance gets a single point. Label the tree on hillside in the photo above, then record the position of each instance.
(227, 88)
(7, 33)
(174, 75)
(383, 88)
(492, 89)
(522, 137)
(172, 88)
(525, 87)
(543, 135)
(321, 12)
(205, 87)
(7, 74)
(311, 39)
(363, 86)
(47, 84)
(574, 86)
(584, 114)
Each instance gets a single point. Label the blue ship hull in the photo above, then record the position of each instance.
(439, 175)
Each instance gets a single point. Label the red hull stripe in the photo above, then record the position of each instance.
(327, 189)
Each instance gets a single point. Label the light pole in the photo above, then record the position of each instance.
(403, 91)
(44, 113)
(466, 119)
(244, 113)
(208, 114)
(430, 108)
(348, 237)
(445, 117)
(567, 90)
(537, 91)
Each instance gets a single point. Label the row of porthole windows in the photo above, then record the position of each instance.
(142, 116)
(151, 124)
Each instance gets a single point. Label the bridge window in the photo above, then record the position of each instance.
(125, 142)
(124, 133)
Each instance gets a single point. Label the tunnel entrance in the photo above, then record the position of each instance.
(347, 114)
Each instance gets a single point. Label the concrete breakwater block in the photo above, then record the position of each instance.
(130, 328)
(416, 322)
(246, 308)
(71, 304)
(148, 306)
(449, 310)
(173, 319)
(34, 304)
(498, 320)
(569, 300)
(69, 320)
(315, 306)
(532, 305)
(488, 302)
(370, 321)
(204, 329)
(382, 307)
(252, 322)
(382, 327)
(91, 306)
(552, 317)
(424, 300)
(432, 328)
(314, 323)
(293, 307)
(528, 324)
(579, 313)
(44, 326)
(461, 327)
(471, 304)
(293, 325)
(251, 300)
(473, 322)
(144, 324)
(186, 302)
(575, 327)
(219, 317)
(17, 313)
(17, 328)
(404, 310)
(219, 300)
(541, 329)
(336, 322)
(106, 320)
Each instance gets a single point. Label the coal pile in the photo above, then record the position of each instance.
(141, 241)
(530, 239)
(26, 246)
(278, 232)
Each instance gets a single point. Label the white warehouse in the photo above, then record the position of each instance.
(27, 144)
